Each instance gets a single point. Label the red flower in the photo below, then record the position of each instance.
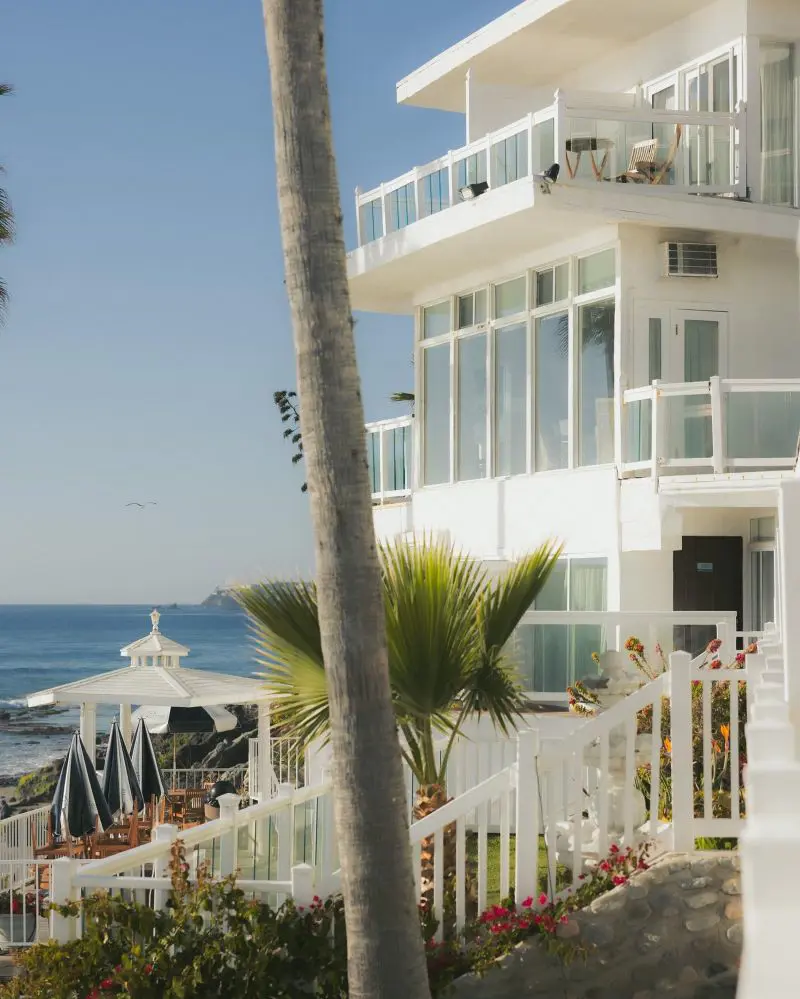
(564, 919)
(605, 866)
(148, 969)
(614, 848)
(537, 919)
(714, 645)
(543, 899)
(740, 657)
(581, 877)
(715, 664)
(527, 902)
(619, 879)
(106, 984)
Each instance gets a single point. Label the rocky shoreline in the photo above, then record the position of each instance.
(209, 751)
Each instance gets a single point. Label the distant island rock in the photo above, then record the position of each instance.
(221, 597)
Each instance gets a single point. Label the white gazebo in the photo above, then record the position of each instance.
(155, 676)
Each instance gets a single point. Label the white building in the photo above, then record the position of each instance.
(613, 359)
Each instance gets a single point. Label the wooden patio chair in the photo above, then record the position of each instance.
(641, 163)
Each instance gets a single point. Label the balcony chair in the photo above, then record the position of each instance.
(644, 167)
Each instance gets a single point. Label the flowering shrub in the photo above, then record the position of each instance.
(212, 940)
(18, 903)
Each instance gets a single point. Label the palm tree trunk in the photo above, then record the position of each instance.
(385, 951)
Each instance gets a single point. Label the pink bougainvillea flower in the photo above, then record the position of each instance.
(619, 879)
(614, 848)
(106, 984)
(714, 645)
(527, 902)
(740, 658)
(543, 899)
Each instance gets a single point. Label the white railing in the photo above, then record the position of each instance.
(580, 633)
(204, 777)
(20, 833)
(692, 152)
(288, 765)
(25, 890)
(720, 425)
(389, 444)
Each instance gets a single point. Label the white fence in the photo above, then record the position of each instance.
(288, 765)
(20, 833)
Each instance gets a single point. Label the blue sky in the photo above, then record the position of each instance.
(148, 326)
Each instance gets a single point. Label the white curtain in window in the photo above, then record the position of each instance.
(777, 124)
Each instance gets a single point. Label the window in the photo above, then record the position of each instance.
(596, 383)
(509, 298)
(436, 320)
(510, 399)
(472, 309)
(596, 272)
(551, 285)
(553, 656)
(436, 442)
(551, 371)
(471, 415)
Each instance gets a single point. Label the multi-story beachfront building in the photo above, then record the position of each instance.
(613, 359)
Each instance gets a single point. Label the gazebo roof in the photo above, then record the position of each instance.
(154, 644)
(169, 685)
(151, 681)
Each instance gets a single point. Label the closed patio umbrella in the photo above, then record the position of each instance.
(79, 803)
(172, 721)
(145, 764)
(120, 783)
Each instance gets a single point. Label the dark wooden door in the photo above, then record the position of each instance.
(706, 576)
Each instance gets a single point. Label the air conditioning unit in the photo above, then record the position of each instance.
(696, 260)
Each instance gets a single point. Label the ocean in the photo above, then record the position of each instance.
(43, 646)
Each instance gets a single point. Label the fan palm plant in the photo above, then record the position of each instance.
(448, 626)
(6, 219)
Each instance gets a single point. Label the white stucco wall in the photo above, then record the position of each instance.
(758, 286)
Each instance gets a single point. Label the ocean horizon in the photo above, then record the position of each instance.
(43, 645)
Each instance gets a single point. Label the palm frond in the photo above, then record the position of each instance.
(508, 598)
(492, 688)
(6, 88)
(285, 622)
(430, 594)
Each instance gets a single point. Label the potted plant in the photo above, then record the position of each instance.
(18, 914)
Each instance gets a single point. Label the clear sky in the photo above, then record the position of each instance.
(148, 326)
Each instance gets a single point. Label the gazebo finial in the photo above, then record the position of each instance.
(155, 617)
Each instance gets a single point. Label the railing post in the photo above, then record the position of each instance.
(358, 217)
(527, 819)
(163, 834)
(302, 878)
(63, 890)
(415, 182)
(680, 681)
(560, 129)
(739, 154)
(717, 436)
(383, 211)
(727, 637)
(264, 745)
(284, 827)
(228, 811)
(655, 433)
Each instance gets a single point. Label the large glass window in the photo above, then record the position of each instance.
(509, 298)
(597, 271)
(777, 124)
(436, 375)
(471, 309)
(471, 415)
(436, 320)
(510, 399)
(552, 285)
(596, 383)
(551, 370)
(553, 656)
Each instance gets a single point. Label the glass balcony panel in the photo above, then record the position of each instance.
(401, 207)
(396, 450)
(435, 192)
(639, 435)
(544, 145)
(374, 460)
(687, 427)
(510, 159)
(371, 221)
(762, 424)
(471, 169)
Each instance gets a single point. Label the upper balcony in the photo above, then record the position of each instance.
(389, 444)
(608, 149)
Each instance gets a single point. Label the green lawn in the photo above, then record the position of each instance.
(493, 865)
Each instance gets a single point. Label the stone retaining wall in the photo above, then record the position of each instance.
(672, 932)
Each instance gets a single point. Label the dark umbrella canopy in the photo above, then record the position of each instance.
(120, 783)
(169, 720)
(79, 803)
(145, 764)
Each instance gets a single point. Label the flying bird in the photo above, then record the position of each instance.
(143, 505)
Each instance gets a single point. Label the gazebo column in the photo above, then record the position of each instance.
(125, 723)
(89, 730)
(264, 756)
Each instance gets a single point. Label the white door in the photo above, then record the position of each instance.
(696, 351)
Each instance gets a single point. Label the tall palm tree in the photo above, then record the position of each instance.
(386, 959)
(448, 627)
(6, 219)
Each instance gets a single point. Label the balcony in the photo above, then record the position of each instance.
(389, 445)
(722, 425)
(596, 139)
